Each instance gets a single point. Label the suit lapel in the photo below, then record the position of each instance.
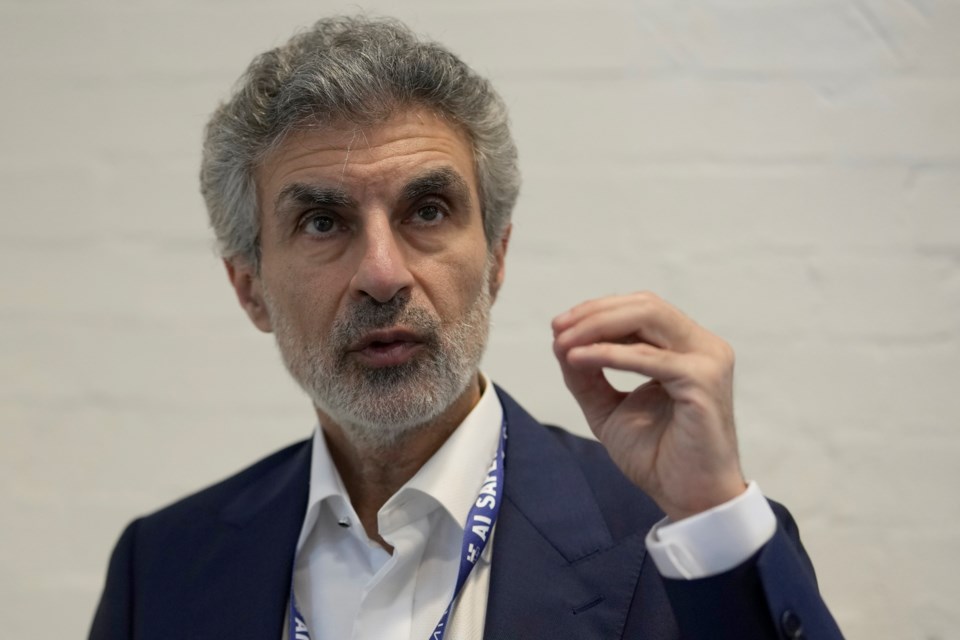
(557, 571)
(248, 566)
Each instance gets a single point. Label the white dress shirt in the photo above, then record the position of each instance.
(348, 586)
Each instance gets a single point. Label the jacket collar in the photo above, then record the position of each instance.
(250, 563)
(557, 569)
(557, 566)
(543, 481)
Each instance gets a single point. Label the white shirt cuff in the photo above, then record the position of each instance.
(714, 541)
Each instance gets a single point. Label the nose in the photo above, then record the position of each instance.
(383, 271)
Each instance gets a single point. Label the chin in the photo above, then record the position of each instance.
(383, 420)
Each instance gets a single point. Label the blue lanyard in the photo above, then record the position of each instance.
(476, 532)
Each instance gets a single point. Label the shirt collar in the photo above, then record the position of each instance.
(454, 474)
(452, 477)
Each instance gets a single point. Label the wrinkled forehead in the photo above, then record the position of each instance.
(354, 133)
(406, 142)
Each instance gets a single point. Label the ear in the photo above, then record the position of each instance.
(247, 285)
(499, 262)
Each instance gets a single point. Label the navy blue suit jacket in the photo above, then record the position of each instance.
(569, 559)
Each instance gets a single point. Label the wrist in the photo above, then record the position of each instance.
(719, 494)
(714, 541)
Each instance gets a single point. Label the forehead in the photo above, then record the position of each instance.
(377, 156)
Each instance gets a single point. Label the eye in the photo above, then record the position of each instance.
(428, 215)
(319, 224)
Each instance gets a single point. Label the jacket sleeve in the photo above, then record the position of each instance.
(113, 619)
(773, 595)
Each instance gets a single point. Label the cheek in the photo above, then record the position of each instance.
(307, 301)
(463, 279)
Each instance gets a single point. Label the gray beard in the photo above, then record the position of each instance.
(378, 407)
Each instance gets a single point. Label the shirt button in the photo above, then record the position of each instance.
(344, 522)
(791, 626)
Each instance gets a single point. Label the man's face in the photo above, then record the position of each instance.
(375, 271)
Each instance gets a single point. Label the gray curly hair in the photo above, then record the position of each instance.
(359, 70)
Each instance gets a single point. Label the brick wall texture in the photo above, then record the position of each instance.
(785, 171)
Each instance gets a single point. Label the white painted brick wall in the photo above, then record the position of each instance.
(786, 171)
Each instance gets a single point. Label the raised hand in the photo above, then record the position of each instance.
(674, 436)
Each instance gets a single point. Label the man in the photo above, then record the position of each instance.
(361, 183)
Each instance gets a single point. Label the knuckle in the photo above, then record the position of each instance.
(645, 296)
(646, 349)
(725, 351)
(713, 371)
(601, 348)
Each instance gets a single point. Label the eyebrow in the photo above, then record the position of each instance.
(438, 181)
(310, 195)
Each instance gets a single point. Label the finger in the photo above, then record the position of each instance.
(647, 360)
(638, 318)
(595, 395)
(574, 314)
(693, 378)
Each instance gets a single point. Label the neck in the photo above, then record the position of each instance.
(372, 475)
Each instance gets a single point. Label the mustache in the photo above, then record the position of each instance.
(369, 315)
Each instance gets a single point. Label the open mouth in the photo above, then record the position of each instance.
(385, 348)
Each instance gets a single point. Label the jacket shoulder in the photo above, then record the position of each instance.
(232, 495)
